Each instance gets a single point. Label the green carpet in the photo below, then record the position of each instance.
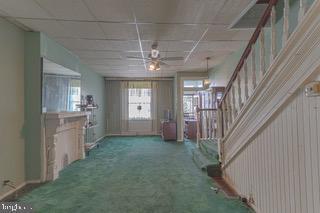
(133, 174)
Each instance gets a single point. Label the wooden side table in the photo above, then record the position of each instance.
(169, 130)
(191, 129)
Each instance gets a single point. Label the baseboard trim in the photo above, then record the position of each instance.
(20, 187)
(8, 193)
(33, 181)
(228, 180)
(101, 138)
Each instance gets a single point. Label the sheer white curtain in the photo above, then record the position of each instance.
(154, 108)
(124, 97)
(113, 107)
(118, 121)
(164, 100)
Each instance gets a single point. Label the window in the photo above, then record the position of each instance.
(139, 104)
(193, 84)
(74, 95)
(189, 104)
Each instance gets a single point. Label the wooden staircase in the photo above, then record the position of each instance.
(206, 158)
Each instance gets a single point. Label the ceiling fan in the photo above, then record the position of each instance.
(154, 59)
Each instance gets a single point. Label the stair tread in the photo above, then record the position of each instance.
(209, 145)
(202, 160)
(210, 149)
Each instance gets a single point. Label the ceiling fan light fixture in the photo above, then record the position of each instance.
(158, 66)
(154, 66)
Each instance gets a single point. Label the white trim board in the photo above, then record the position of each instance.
(25, 183)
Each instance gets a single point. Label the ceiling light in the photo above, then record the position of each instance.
(157, 65)
(154, 66)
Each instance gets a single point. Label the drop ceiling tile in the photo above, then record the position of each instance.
(177, 11)
(174, 63)
(146, 46)
(164, 46)
(179, 68)
(106, 45)
(175, 54)
(219, 32)
(98, 54)
(156, 32)
(124, 55)
(90, 30)
(216, 57)
(23, 9)
(119, 31)
(220, 45)
(143, 74)
(99, 68)
(112, 62)
(108, 67)
(250, 17)
(243, 34)
(136, 67)
(179, 46)
(50, 27)
(223, 33)
(66, 9)
(202, 55)
(110, 10)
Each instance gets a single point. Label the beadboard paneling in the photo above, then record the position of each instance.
(280, 167)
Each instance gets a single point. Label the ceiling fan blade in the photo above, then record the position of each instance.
(136, 58)
(172, 58)
(162, 63)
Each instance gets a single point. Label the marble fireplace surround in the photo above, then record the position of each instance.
(62, 141)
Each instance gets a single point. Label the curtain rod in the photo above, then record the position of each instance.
(138, 79)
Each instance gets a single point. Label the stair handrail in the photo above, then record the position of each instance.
(264, 19)
(238, 90)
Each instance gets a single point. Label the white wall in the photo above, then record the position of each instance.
(280, 167)
(11, 105)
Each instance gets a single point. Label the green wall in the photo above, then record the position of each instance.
(12, 142)
(91, 82)
(39, 45)
(222, 73)
(32, 101)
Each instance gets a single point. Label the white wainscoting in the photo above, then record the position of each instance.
(280, 167)
(271, 152)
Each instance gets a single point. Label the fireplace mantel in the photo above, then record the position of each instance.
(62, 141)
